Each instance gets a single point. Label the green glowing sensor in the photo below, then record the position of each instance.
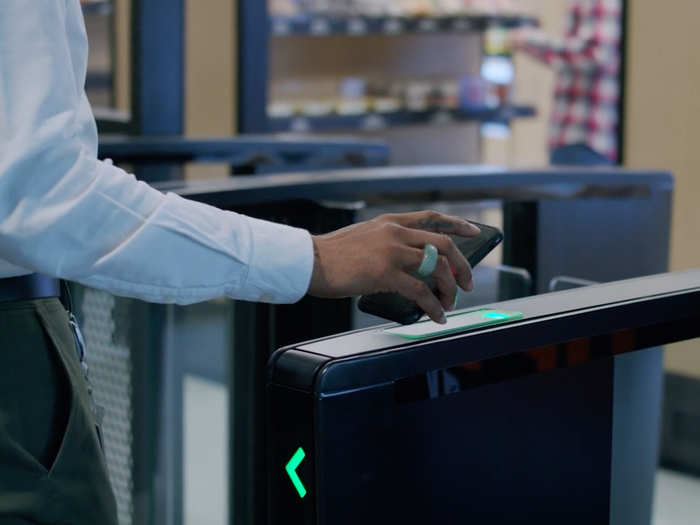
(291, 469)
(456, 323)
(495, 315)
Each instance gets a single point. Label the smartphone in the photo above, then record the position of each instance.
(395, 307)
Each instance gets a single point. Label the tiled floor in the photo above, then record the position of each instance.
(677, 499)
(676, 502)
(206, 452)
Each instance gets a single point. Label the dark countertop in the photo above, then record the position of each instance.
(236, 150)
(464, 182)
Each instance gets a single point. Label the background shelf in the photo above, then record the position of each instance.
(378, 121)
(319, 25)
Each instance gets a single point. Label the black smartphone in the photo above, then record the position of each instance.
(395, 307)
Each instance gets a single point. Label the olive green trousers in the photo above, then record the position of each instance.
(52, 467)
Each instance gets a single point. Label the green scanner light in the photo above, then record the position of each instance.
(456, 323)
(495, 315)
(291, 469)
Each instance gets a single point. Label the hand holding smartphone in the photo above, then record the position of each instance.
(395, 307)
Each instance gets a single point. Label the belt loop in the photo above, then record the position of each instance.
(67, 302)
(66, 297)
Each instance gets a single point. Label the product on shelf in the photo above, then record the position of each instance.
(496, 41)
(383, 96)
(385, 104)
(449, 94)
(280, 109)
(499, 73)
(317, 108)
(353, 96)
(353, 106)
(283, 7)
(417, 95)
(472, 91)
(397, 8)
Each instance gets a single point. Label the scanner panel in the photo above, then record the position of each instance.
(558, 303)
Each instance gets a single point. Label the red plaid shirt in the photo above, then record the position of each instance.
(587, 61)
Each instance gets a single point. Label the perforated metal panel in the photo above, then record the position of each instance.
(110, 365)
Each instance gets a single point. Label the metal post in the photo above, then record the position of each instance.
(253, 45)
(158, 75)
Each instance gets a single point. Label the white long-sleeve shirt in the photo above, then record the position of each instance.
(66, 214)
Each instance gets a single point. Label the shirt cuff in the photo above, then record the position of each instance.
(281, 264)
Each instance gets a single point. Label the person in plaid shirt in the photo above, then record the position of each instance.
(585, 114)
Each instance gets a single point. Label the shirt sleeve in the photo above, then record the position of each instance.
(593, 44)
(66, 214)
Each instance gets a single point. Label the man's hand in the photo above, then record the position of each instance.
(383, 254)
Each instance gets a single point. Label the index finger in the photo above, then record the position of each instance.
(436, 222)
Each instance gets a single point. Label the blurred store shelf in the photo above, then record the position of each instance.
(375, 121)
(320, 25)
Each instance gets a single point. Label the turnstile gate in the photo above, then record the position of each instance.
(531, 420)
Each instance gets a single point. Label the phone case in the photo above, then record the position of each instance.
(395, 307)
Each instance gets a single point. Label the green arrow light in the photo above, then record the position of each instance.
(291, 469)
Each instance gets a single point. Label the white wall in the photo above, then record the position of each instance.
(662, 128)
